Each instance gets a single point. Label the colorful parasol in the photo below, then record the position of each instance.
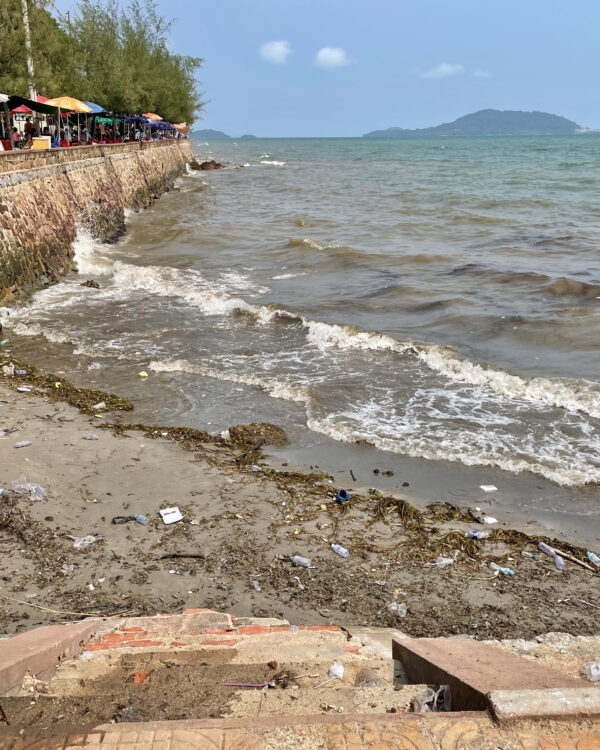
(70, 103)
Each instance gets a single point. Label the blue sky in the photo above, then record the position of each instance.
(344, 67)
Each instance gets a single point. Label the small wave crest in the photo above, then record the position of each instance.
(273, 162)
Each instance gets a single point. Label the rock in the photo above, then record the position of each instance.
(367, 678)
(91, 284)
(212, 164)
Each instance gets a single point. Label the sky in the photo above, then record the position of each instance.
(286, 68)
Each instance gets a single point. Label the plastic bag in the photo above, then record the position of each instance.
(35, 491)
(336, 670)
(82, 542)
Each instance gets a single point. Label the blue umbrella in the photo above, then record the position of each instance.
(96, 108)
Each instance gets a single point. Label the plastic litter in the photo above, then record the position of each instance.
(256, 585)
(592, 671)
(99, 405)
(339, 550)
(21, 372)
(400, 610)
(83, 542)
(560, 563)
(4, 341)
(434, 700)
(336, 670)
(490, 519)
(23, 389)
(546, 549)
(171, 515)
(593, 558)
(90, 436)
(143, 374)
(87, 656)
(8, 369)
(35, 491)
(443, 562)
(524, 553)
(477, 534)
(498, 569)
(23, 444)
(67, 570)
(481, 516)
(303, 562)
(488, 488)
(120, 520)
(256, 468)
(270, 684)
(342, 496)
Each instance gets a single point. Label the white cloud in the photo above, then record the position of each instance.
(331, 57)
(276, 52)
(482, 74)
(444, 70)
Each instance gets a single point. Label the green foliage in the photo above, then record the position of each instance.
(115, 56)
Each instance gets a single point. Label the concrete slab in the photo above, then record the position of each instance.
(473, 669)
(39, 650)
(559, 703)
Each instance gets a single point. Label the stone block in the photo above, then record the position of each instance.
(557, 703)
(39, 650)
(474, 669)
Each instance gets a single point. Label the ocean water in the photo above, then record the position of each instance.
(435, 299)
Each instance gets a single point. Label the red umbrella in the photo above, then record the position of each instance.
(23, 110)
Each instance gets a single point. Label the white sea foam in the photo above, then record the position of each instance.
(274, 162)
(289, 276)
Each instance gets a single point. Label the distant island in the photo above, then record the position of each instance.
(247, 137)
(489, 122)
(210, 135)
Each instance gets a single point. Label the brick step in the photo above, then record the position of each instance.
(360, 731)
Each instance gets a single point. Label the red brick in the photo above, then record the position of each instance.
(116, 637)
(132, 630)
(219, 631)
(332, 628)
(227, 642)
(178, 643)
(196, 611)
(142, 644)
(140, 677)
(98, 646)
(254, 629)
(351, 650)
(279, 628)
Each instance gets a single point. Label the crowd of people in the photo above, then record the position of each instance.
(86, 131)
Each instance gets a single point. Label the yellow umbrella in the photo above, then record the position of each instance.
(152, 116)
(69, 103)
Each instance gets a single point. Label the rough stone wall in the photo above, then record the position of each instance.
(46, 195)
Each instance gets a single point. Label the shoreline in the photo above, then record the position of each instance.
(246, 525)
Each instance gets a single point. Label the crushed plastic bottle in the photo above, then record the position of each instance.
(560, 563)
(443, 562)
(89, 436)
(140, 519)
(82, 542)
(399, 610)
(478, 534)
(303, 562)
(8, 369)
(546, 549)
(23, 389)
(23, 444)
(339, 550)
(503, 571)
(595, 560)
(336, 670)
(592, 670)
(256, 585)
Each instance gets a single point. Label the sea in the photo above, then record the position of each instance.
(429, 308)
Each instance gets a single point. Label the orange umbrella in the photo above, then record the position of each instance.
(182, 127)
(152, 116)
(70, 103)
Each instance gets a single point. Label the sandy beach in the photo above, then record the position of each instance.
(240, 525)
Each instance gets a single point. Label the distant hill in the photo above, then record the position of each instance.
(247, 138)
(210, 135)
(489, 122)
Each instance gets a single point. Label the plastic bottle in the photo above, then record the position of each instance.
(140, 519)
(596, 560)
(547, 549)
(592, 670)
(559, 562)
(443, 562)
(302, 561)
(504, 571)
(477, 534)
(339, 550)
(399, 610)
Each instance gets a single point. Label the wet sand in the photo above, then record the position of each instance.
(242, 525)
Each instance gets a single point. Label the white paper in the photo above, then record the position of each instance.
(171, 515)
(488, 488)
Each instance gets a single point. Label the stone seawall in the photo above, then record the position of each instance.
(46, 195)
